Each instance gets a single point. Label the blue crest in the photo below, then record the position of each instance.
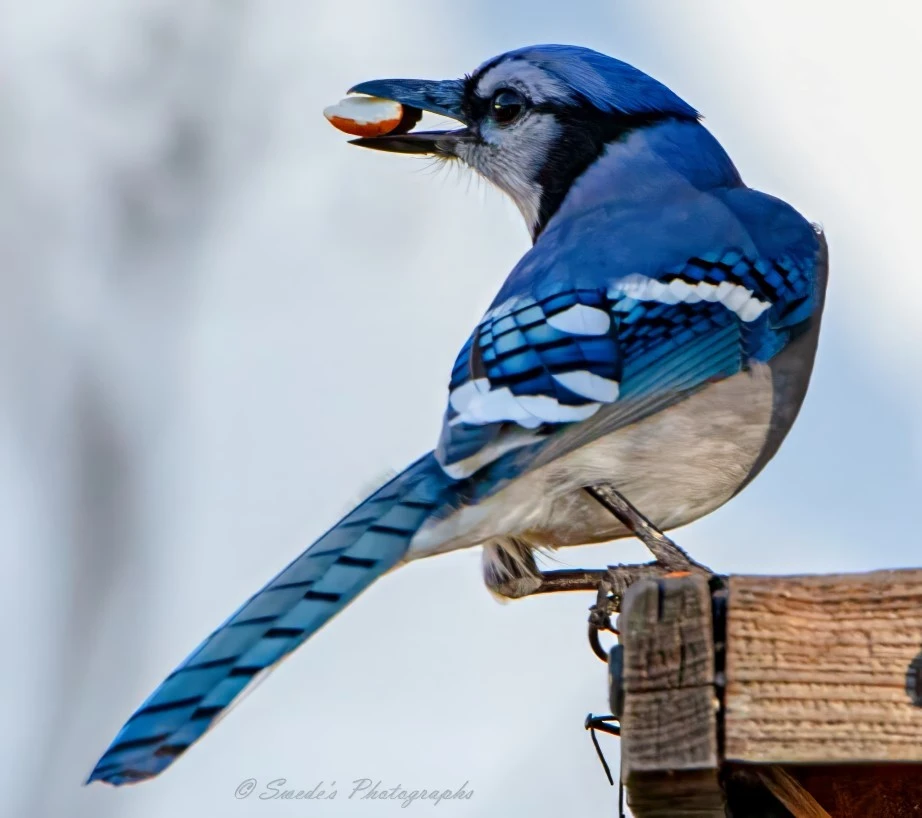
(606, 83)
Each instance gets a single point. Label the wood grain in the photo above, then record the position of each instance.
(791, 793)
(669, 724)
(824, 669)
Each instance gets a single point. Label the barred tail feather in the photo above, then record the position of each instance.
(317, 585)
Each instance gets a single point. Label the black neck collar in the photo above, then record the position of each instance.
(586, 134)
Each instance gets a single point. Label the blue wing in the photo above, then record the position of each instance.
(609, 312)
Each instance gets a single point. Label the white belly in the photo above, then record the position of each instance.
(674, 466)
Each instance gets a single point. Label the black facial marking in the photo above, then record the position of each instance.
(585, 132)
(474, 107)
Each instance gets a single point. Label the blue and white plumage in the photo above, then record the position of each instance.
(658, 337)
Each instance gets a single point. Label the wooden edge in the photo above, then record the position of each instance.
(821, 681)
(669, 724)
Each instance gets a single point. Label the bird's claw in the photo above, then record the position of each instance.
(611, 589)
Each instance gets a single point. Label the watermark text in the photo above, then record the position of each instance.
(360, 789)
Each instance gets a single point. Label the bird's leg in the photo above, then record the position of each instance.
(510, 571)
(609, 585)
(615, 579)
(570, 579)
(666, 552)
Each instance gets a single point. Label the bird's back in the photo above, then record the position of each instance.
(715, 293)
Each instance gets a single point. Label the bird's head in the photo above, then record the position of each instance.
(533, 119)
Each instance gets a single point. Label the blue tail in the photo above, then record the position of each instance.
(365, 544)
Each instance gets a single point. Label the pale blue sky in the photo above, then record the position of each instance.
(223, 322)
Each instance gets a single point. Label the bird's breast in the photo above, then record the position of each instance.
(675, 466)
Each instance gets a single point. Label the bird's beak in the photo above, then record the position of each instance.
(437, 97)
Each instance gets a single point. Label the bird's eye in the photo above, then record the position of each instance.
(507, 106)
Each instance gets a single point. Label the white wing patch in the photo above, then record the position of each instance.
(478, 405)
(548, 410)
(581, 320)
(589, 385)
(734, 297)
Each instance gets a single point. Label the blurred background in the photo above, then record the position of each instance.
(216, 328)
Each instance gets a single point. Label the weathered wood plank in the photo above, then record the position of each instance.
(669, 724)
(688, 794)
(865, 790)
(824, 669)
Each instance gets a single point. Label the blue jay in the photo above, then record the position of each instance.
(654, 344)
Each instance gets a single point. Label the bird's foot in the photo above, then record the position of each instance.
(610, 593)
(511, 573)
(612, 581)
(509, 569)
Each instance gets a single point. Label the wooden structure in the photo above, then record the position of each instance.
(768, 697)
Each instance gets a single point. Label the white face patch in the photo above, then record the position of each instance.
(512, 156)
(537, 85)
(735, 297)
